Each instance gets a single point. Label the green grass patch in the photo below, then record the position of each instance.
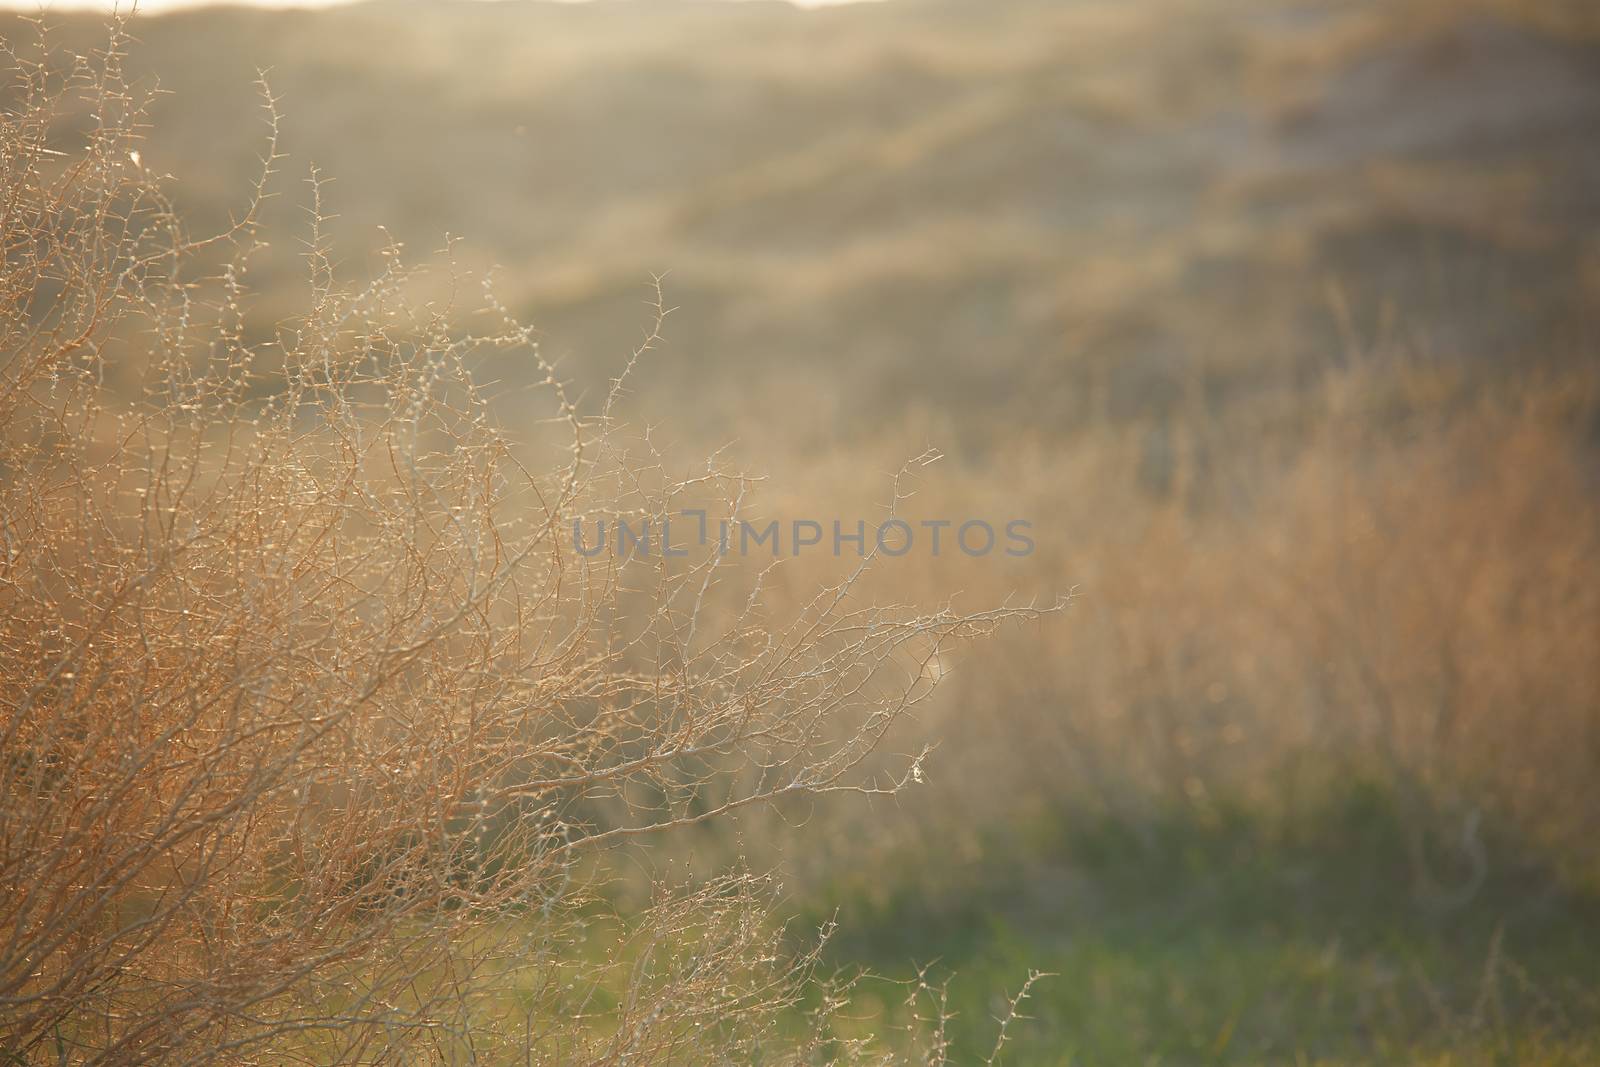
(1220, 935)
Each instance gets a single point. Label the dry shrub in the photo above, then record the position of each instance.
(311, 712)
(1391, 579)
(1429, 578)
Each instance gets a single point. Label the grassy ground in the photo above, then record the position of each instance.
(1218, 936)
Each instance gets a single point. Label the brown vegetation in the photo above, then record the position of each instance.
(310, 711)
(1275, 317)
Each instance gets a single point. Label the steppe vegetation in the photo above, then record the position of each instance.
(318, 743)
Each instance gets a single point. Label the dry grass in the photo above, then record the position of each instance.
(318, 733)
(1391, 577)
(310, 713)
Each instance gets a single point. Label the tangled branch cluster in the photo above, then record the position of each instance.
(308, 716)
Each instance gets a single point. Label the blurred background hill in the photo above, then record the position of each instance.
(1000, 212)
(1276, 317)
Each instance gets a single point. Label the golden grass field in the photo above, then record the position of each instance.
(321, 741)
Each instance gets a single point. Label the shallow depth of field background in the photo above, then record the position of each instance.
(1277, 318)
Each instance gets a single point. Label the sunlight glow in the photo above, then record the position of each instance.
(157, 7)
